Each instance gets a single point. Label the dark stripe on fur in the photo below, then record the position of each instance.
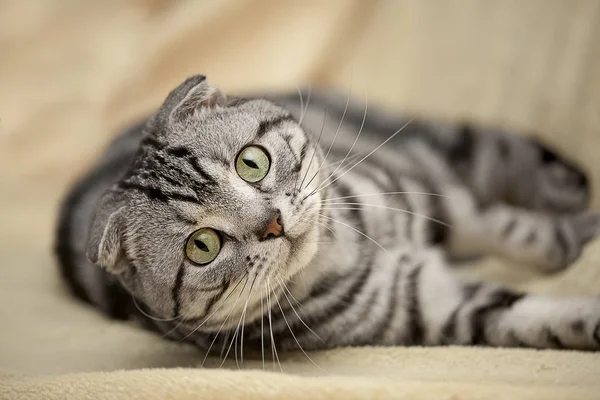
(196, 166)
(156, 193)
(174, 182)
(531, 238)
(303, 150)
(266, 126)
(448, 332)
(326, 283)
(343, 303)
(355, 211)
(179, 151)
(503, 147)
(437, 232)
(515, 341)
(118, 299)
(578, 326)
(211, 302)
(175, 292)
(298, 166)
(597, 334)
(553, 340)
(384, 325)
(561, 240)
(183, 218)
(416, 328)
(65, 254)
(499, 300)
(150, 141)
(463, 149)
(186, 179)
(509, 228)
(286, 139)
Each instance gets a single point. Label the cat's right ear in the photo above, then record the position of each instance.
(195, 93)
(104, 244)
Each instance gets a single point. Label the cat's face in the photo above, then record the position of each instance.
(213, 210)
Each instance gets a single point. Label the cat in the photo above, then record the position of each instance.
(310, 221)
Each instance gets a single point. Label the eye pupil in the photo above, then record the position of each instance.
(201, 245)
(250, 163)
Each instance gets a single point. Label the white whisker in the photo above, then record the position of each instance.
(145, 314)
(320, 223)
(334, 137)
(384, 193)
(352, 157)
(301, 101)
(294, 310)
(316, 147)
(294, 336)
(356, 230)
(349, 151)
(385, 208)
(211, 314)
(303, 112)
(226, 319)
(235, 334)
(225, 341)
(244, 321)
(365, 157)
(273, 346)
(262, 335)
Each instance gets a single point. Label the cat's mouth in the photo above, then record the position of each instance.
(280, 260)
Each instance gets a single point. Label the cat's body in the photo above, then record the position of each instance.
(363, 253)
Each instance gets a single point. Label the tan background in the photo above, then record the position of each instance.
(72, 73)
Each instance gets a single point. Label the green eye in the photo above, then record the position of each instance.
(203, 246)
(252, 164)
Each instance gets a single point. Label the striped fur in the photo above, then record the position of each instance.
(365, 258)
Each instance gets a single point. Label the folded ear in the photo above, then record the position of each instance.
(193, 94)
(105, 235)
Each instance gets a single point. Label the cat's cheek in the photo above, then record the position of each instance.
(303, 251)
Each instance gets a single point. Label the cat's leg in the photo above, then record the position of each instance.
(547, 241)
(441, 309)
(499, 167)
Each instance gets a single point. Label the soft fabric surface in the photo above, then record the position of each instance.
(72, 73)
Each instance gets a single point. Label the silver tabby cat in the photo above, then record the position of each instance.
(316, 222)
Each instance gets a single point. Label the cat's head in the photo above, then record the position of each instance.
(215, 203)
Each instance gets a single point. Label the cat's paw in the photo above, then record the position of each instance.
(571, 235)
(586, 226)
(563, 187)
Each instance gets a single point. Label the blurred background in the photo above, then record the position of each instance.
(73, 73)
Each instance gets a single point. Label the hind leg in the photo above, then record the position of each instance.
(548, 241)
(498, 167)
(512, 196)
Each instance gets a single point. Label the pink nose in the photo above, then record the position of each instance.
(274, 228)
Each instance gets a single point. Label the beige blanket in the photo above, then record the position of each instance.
(74, 72)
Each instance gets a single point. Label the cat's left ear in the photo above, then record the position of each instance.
(106, 233)
(194, 94)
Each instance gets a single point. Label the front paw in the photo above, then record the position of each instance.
(563, 187)
(571, 234)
